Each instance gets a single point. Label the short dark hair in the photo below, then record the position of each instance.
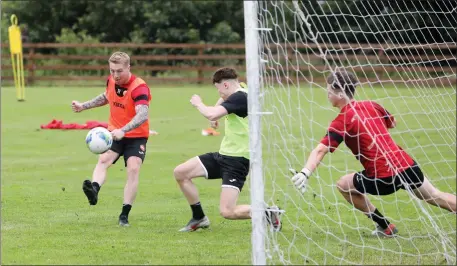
(223, 74)
(345, 81)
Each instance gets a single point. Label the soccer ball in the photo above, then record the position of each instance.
(99, 140)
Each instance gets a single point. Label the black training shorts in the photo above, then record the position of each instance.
(412, 177)
(128, 147)
(232, 170)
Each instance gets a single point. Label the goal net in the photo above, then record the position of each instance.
(404, 56)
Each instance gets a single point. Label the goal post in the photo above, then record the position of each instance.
(255, 143)
(404, 56)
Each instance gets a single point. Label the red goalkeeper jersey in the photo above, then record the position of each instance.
(363, 126)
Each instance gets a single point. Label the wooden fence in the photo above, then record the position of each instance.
(193, 63)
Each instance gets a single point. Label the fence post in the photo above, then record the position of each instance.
(200, 65)
(31, 67)
(383, 58)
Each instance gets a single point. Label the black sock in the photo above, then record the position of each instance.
(197, 211)
(96, 186)
(377, 217)
(126, 209)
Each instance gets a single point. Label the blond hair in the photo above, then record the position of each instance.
(120, 58)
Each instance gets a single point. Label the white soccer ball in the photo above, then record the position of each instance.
(99, 140)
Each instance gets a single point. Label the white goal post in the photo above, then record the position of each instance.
(404, 56)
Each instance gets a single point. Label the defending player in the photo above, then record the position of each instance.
(231, 163)
(363, 126)
(128, 97)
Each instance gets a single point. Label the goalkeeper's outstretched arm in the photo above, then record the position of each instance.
(315, 159)
(300, 179)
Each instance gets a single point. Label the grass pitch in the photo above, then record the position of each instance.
(46, 218)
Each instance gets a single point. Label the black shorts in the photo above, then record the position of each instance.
(412, 177)
(232, 170)
(128, 147)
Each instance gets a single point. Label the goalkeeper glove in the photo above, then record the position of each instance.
(300, 179)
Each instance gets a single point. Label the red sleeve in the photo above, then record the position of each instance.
(335, 134)
(141, 94)
(388, 118)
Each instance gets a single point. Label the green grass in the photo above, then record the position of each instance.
(46, 218)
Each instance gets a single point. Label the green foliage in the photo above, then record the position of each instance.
(401, 21)
(69, 36)
(199, 21)
(223, 33)
(5, 23)
(124, 21)
(85, 21)
(44, 19)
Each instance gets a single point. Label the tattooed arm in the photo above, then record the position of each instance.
(142, 113)
(100, 100)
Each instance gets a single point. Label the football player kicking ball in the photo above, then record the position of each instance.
(231, 163)
(363, 126)
(128, 97)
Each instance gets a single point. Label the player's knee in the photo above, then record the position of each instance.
(105, 160)
(227, 213)
(180, 173)
(428, 193)
(133, 171)
(133, 167)
(433, 199)
(435, 196)
(342, 185)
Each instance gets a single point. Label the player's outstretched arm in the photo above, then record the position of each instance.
(316, 157)
(300, 179)
(100, 100)
(215, 124)
(212, 113)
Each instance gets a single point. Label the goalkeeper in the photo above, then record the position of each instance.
(363, 126)
(231, 163)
